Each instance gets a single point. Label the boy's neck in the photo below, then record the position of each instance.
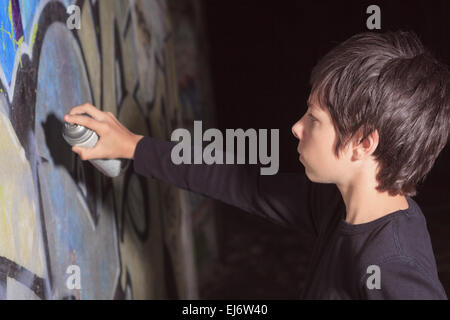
(364, 204)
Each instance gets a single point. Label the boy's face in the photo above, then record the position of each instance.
(317, 138)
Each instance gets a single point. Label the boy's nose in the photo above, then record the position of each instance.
(296, 130)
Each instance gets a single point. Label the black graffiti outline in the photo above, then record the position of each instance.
(10, 269)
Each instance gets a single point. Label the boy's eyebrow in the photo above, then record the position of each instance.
(310, 105)
(314, 110)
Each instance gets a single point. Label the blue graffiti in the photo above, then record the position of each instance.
(16, 19)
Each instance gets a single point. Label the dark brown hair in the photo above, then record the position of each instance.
(388, 82)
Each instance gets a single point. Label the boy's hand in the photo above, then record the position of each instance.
(115, 141)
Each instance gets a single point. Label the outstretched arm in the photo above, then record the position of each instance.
(288, 199)
(284, 198)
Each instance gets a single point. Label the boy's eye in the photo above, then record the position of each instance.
(311, 117)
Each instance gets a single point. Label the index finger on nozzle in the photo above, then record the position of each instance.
(84, 121)
(88, 109)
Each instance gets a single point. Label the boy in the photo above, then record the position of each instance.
(378, 116)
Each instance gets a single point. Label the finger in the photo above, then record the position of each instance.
(90, 110)
(89, 153)
(82, 152)
(113, 117)
(85, 122)
(78, 150)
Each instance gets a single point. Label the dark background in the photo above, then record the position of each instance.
(261, 55)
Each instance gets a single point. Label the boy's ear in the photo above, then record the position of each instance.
(366, 146)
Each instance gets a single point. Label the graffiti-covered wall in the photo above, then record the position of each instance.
(66, 231)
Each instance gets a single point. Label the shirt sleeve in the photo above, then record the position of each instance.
(402, 278)
(287, 199)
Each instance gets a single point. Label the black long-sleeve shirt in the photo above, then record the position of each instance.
(347, 260)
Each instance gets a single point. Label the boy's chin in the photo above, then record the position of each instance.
(309, 175)
(315, 178)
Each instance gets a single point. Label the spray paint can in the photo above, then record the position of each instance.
(77, 135)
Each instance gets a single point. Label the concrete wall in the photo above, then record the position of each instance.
(131, 237)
